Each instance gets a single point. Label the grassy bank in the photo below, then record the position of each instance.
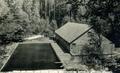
(5, 52)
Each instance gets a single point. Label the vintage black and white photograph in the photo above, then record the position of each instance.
(59, 36)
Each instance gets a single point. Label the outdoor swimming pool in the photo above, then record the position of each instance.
(34, 56)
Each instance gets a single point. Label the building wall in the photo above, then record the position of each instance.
(77, 46)
(75, 49)
(62, 43)
(107, 46)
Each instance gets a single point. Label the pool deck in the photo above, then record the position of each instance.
(64, 57)
(67, 60)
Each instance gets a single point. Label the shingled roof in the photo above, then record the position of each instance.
(71, 31)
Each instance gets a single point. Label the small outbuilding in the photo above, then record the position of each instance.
(73, 36)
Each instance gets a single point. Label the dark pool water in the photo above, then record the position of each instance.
(33, 57)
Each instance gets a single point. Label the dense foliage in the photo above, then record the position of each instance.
(92, 51)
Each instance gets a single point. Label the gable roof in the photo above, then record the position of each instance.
(72, 31)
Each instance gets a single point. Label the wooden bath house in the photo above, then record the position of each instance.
(73, 36)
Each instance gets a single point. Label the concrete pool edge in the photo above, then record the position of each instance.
(10, 51)
(53, 47)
